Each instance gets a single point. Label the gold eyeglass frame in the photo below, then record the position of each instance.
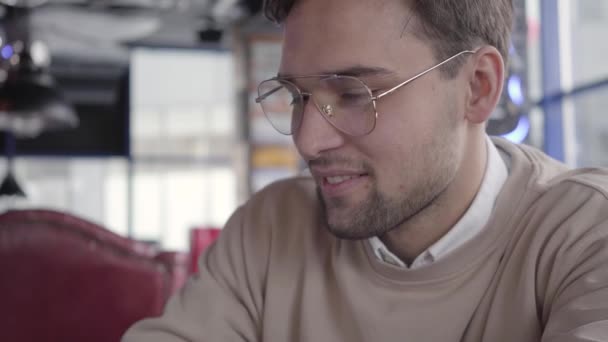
(327, 110)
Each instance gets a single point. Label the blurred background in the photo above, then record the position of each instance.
(129, 134)
(138, 115)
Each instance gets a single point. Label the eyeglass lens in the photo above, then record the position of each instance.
(344, 101)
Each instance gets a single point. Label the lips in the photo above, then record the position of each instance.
(335, 176)
(333, 180)
(338, 177)
(340, 183)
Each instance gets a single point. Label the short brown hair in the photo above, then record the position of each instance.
(451, 25)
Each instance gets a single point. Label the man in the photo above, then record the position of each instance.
(414, 226)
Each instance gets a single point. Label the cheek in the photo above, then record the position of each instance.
(396, 154)
(407, 119)
(406, 131)
(392, 163)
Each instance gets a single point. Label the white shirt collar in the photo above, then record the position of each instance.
(471, 223)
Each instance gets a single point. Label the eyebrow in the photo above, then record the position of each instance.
(356, 71)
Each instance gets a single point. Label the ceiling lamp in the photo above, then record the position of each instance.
(30, 102)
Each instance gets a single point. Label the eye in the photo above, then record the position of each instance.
(354, 97)
(295, 100)
(349, 96)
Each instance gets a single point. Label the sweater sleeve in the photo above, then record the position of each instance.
(223, 302)
(576, 304)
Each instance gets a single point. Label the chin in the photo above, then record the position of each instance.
(347, 233)
(358, 219)
(344, 225)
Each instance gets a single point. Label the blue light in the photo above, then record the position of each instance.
(515, 90)
(520, 132)
(7, 52)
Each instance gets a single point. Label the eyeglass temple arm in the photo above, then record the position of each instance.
(420, 75)
(268, 93)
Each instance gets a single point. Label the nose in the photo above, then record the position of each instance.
(315, 134)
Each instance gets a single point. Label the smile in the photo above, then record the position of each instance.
(339, 179)
(340, 185)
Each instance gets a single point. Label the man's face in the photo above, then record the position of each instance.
(371, 184)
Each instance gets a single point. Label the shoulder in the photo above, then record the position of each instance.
(283, 199)
(581, 190)
(553, 205)
(282, 214)
(570, 217)
(286, 205)
(299, 189)
(591, 179)
(544, 178)
(570, 226)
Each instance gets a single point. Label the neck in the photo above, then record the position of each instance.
(417, 234)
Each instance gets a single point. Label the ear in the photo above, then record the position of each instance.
(485, 84)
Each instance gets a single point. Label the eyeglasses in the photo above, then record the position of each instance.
(345, 102)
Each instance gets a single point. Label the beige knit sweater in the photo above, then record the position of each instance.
(537, 272)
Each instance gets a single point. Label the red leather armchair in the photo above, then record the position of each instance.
(65, 279)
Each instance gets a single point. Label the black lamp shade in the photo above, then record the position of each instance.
(10, 187)
(30, 104)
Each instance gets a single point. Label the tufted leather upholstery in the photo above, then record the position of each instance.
(63, 278)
